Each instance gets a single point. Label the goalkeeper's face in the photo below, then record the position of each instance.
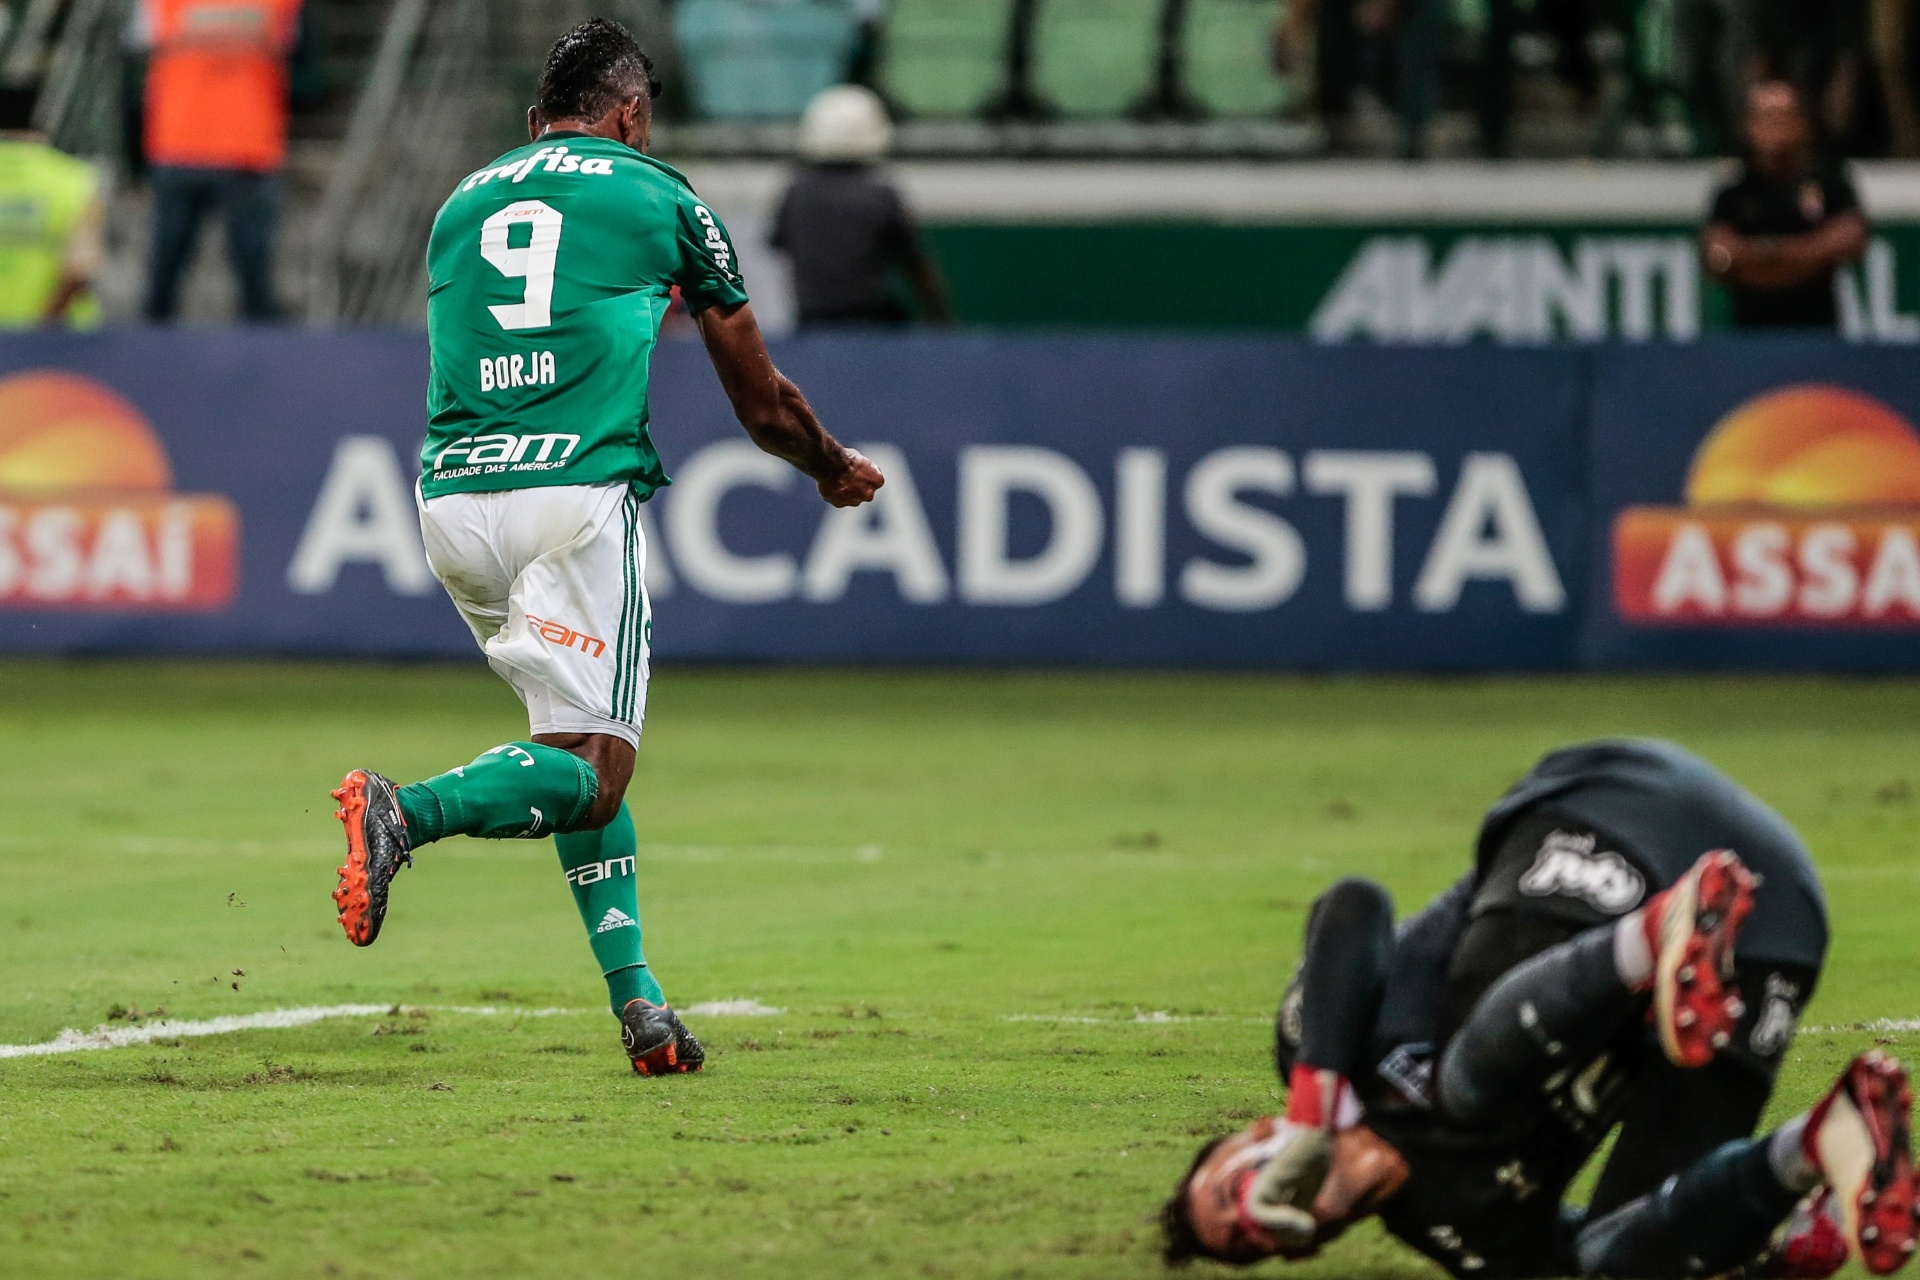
(1210, 1214)
(1215, 1197)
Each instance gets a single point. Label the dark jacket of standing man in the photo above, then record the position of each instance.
(1780, 231)
(845, 227)
(216, 136)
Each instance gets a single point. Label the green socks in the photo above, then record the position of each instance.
(522, 791)
(600, 871)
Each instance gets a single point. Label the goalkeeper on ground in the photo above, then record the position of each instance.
(1633, 947)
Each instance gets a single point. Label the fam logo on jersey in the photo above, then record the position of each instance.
(1569, 864)
(88, 519)
(1802, 507)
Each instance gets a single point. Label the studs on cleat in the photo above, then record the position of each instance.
(1736, 1008)
(1869, 1233)
(1907, 1246)
(1720, 1039)
(1684, 1018)
(1685, 976)
(1867, 1198)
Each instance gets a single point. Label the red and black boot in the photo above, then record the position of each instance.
(376, 848)
(1691, 930)
(1858, 1138)
(657, 1042)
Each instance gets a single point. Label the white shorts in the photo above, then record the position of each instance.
(552, 582)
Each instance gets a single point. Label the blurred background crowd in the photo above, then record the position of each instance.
(320, 134)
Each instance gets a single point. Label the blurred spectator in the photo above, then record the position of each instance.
(1392, 46)
(216, 134)
(845, 226)
(1819, 46)
(1717, 59)
(1569, 23)
(1888, 24)
(50, 225)
(1780, 231)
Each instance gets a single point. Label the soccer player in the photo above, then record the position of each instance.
(1633, 947)
(550, 270)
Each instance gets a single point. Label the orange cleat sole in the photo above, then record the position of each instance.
(351, 895)
(664, 1061)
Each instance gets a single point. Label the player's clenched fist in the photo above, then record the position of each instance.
(854, 483)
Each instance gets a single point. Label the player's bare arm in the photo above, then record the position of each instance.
(776, 416)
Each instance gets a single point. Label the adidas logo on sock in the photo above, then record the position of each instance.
(616, 919)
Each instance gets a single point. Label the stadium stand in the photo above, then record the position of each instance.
(418, 91)
(1096, 58)
(1225, 58)
(758, 59)
(942, 59)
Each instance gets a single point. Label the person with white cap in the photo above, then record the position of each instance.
(844, 225)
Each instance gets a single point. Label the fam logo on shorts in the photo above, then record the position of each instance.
(566, 637)
(1802, 508)
(1570, 864)
(88, 519)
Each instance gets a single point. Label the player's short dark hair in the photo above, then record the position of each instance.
(16, 109)
(1180, 1243)
(591, 70)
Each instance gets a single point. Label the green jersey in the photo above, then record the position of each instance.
(548, 274)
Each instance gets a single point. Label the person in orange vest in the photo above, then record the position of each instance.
(216, 135)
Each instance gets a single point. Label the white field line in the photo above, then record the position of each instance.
(108, 1036)
(174, 846)
(732, 1009)
(1881, 1025)
(120, 1037)
(1156, 1018)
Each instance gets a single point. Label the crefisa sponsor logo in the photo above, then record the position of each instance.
(1802, 508)
(88, 516)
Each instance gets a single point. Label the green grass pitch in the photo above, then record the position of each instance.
(922, 870)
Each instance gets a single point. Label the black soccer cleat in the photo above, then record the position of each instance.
(376, 848)
(657, 1042)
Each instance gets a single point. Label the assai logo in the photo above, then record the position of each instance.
(88, 519)
(1803, 507)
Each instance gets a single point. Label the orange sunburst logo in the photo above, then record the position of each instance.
(87, 516)
(1803, 506)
